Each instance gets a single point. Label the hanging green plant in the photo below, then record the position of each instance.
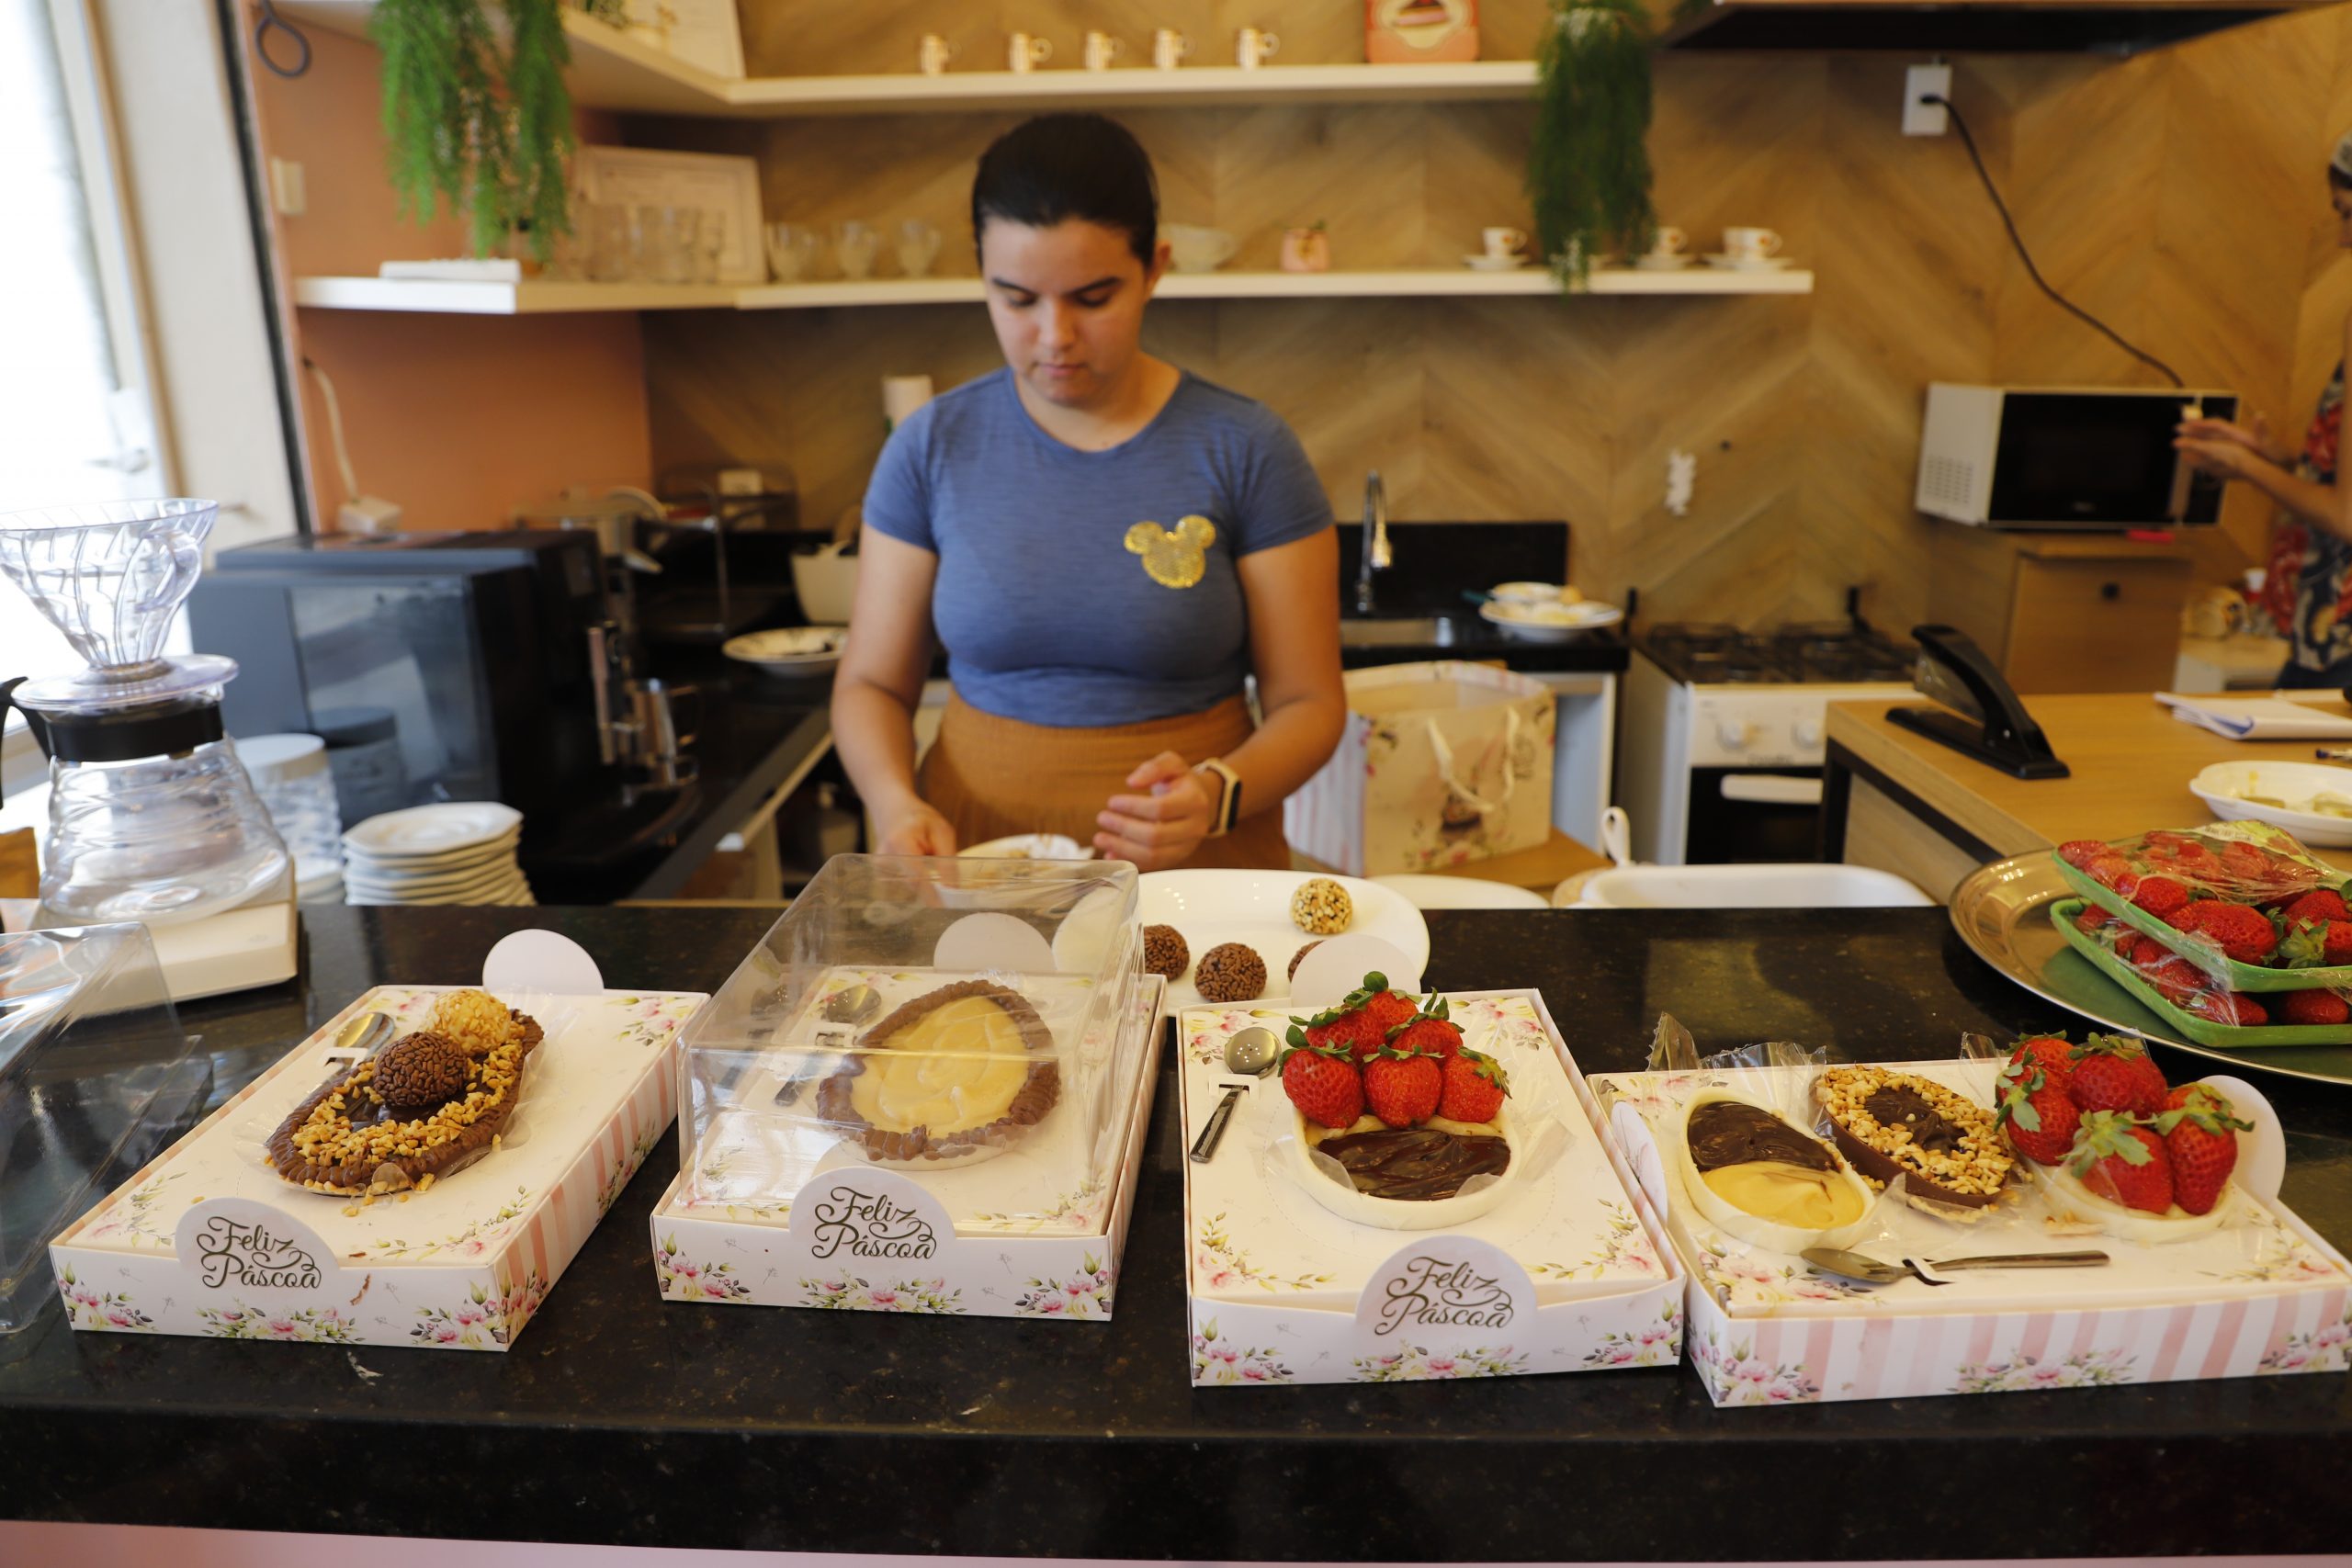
(1588, 169)
(475, 128)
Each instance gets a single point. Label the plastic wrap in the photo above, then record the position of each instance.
(2243, 901)
(2205, 1006)
(959, 1022)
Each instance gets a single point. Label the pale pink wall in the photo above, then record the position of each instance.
(460, 419)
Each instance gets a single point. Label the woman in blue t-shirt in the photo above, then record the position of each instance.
(1106, 546)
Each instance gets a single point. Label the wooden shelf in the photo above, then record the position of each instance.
(535, 298)
(613, 70)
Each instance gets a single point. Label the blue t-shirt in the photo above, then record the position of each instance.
(1093, 588)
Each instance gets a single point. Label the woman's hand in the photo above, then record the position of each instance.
(2202, 438)
(1163, 827)
(914, 828)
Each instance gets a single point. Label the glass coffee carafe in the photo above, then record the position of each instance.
(152, 817)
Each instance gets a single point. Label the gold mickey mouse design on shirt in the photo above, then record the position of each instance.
(1176, 558)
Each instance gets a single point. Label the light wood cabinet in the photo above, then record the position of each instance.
(2064, 611)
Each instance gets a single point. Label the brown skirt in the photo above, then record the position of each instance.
(993, 777)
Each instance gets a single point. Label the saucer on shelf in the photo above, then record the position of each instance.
(1494, 264)
(1748, 264)
(1654, 262)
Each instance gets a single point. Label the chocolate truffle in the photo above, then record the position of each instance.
(1321, 907)
(1301, 953)
(420, 1071)
(1164, 951)
(1230, 972)
(475, 1021)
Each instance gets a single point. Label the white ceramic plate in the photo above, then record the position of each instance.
(434, 830)
(1555, 623)
(788, 648)
(1494, 264)
(1747, 264)
(1029, 846)
(1527, 592)
(395, 869)
(1460, 893)
(1654, 262)
(1211, 908)
(503, 879)
(2221, 785)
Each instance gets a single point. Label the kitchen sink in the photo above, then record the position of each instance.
(1415, 631)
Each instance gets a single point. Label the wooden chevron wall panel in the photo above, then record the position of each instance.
(2177, 195)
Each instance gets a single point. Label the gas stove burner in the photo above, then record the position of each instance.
(1696, 634)
(1802, 652)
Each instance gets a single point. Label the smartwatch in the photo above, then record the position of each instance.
(1228, 810)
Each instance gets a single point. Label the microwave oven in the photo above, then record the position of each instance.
(2065, 457)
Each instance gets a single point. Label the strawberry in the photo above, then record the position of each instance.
(1472, 1087)
(2143, 951)
(2161, 896)
(2114, 1073)
(2111, 871)
(2175, 979)
(2232, 1008)
(2093, 920)
(1388, 1009)
(2080, 853)
(2312, 1007)
(2311, 944)
(1428, 1033)
(2317, 907)
(2336, 944)
(1402, 1087)
(2033, 1107)
(2051, 1053)
(2243, 933)
(1359, 1023)
(2123, 1161)
(2198, 1127)
(1322, 1082)
(2183, 918)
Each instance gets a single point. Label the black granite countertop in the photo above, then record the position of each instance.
(619, 1418)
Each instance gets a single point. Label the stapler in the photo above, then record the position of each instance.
(1995, 730)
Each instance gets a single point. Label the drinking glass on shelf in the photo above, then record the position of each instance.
(793, 249)
(917, 247)
(855, 245)
(612, 243)
(711, 247)
(666, 238)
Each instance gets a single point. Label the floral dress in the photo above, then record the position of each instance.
(2309, 588)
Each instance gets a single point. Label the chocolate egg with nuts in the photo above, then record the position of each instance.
(420, 1071)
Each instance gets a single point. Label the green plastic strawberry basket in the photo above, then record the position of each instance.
(2203, 1030)
(2239, 976)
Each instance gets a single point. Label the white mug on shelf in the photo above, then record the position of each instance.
(1751, 244)
(1100, 50)
(1169, 49)
(1024, 52)
(1503, 241)
(1252, 47)
(933, 54)
(1668, 240)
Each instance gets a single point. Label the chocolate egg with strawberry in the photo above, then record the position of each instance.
(1395, 1122)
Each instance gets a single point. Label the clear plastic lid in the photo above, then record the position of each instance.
(95, 1078)
(968, 1022)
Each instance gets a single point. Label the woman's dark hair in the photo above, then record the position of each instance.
(1059, 166)
(2337, 179)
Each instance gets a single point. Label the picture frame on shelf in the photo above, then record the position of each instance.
(721, 185)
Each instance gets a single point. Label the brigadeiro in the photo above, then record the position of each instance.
(1164, 951)
(1301, 953)
(1231, 971)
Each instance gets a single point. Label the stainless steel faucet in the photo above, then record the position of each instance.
(1375, 556)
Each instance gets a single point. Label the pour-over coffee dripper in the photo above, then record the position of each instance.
(150, 816)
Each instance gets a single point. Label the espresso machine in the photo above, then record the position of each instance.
(479, 666)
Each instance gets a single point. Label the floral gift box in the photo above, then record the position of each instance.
(1566, 1273)
(2258, 1295)
(210, 1240)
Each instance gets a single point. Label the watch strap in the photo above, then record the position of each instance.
(1228, 810)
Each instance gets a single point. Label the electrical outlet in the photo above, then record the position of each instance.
(1926, 119)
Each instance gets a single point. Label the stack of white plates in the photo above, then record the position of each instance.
(460, 853)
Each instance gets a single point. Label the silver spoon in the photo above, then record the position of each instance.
(1252, 1052)
(357, 1040)
(1874, 1272)
(1204, 1148)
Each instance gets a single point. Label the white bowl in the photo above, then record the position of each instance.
(1550, 621)
(826, 585)
(1193, 248)
(1532, 593)
(1397, 1213)
(1755, 1229)
(2222, 785)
